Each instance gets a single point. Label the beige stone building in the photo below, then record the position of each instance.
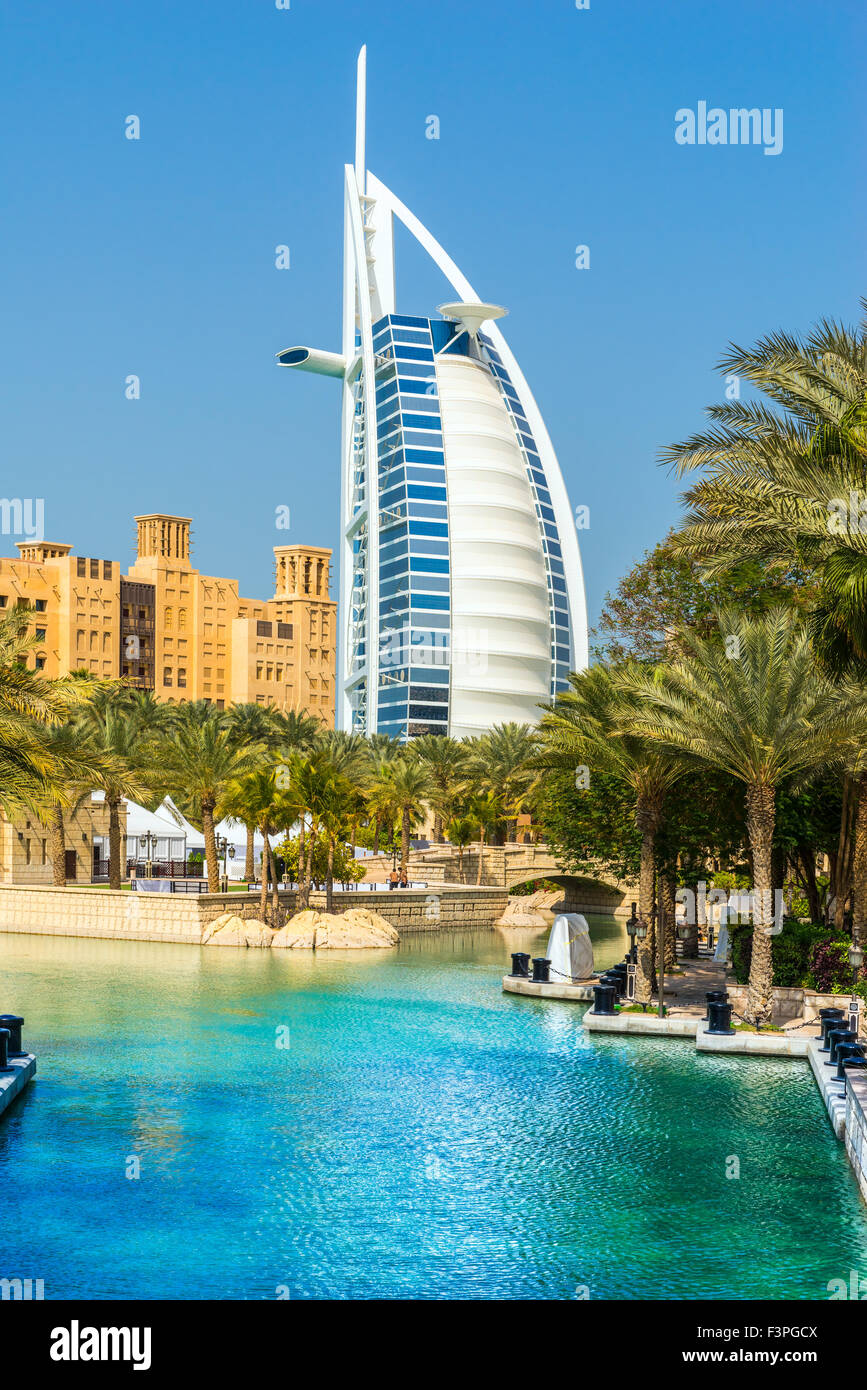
(25, 846)
(184, 635)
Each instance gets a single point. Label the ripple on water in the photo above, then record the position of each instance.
(424, 1135)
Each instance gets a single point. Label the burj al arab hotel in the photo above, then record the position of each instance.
(461, 593)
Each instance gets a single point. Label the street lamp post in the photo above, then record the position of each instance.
(856, 960)
(639, 932)
(658, 915)
(150, 840)
(222, 850)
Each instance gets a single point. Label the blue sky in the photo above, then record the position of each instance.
(156, 257)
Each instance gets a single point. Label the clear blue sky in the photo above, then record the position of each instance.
(156, 257)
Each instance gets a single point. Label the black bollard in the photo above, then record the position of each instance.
(4, 1050)
(836, 1036)
(520, 965)
(14, 1024)
(830, 1018)
(845, 1050)
(850, 1064)
(541, 970)
(609, 978)
(714, 996)
(603, 999)
(719, 1015)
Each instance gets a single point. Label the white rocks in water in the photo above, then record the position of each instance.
(231, 930)
(299, 932)
(357, 929)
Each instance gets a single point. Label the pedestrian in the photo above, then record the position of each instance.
(404, 881)
(393, 880)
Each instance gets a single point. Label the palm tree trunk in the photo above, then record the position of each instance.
(859, 870)
(690, 945)
(329, 877)
(481, 854)
(272, 865)
(266, 866)
(438, 828)
(210, 846)
(114, 873)
(404, 840)
(646, 820)
(461, 862)
(667, 893)
(761, 815)
(58, 847)
(250, 857)
(302, 897)
(376, 834)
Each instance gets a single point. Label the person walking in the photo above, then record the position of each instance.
(393, 880)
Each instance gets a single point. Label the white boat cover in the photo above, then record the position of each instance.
(570, 950)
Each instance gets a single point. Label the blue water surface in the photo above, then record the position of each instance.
(390, 1124)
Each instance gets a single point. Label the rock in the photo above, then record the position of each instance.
(299, 932)
(231, 930)
(357, 929)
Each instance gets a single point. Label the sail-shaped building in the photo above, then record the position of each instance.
(461, 594)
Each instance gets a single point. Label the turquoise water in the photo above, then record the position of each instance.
(423, 1135)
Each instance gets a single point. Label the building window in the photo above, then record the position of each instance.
(264, 629)
(81, 567)
(40, 663)
(259, 669)
(284, 630)
(3, 600)
(40, 634)
(182, 676)
(40, 605)
(94, 569)
(182, 619)
(106, 569)
(167, 618)
(167, 675)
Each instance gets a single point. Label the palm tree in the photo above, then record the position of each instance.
(30, 705)
(198, 764)
(749, 701)
(248, 724)
(486, 811)
(460, 831)
(123, 729)
(79, 768)
(584, 729)
(501, 760)
(789, 484)
(412, 787)
(381, 803)
(445, 760)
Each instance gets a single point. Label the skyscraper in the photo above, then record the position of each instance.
(461, 593)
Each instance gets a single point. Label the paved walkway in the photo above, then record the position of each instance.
(685, 993)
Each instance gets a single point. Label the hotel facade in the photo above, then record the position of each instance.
(462, 596)
(165, 627)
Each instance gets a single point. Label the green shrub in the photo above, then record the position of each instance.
(803, 954)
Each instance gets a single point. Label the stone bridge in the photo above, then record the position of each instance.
(507, 866)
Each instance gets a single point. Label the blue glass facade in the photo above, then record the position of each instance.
(414, 586)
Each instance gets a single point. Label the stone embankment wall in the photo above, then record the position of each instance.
(181, 917)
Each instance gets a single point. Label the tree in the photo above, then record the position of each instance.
(30, 705)
(788, 485)
(668, 592)
(199, 763)
(501, 760)
(587, 729)
(460, 832)
(123, 730)
(412, 786)
(486, 810)
(750, 702)
(446, 762)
